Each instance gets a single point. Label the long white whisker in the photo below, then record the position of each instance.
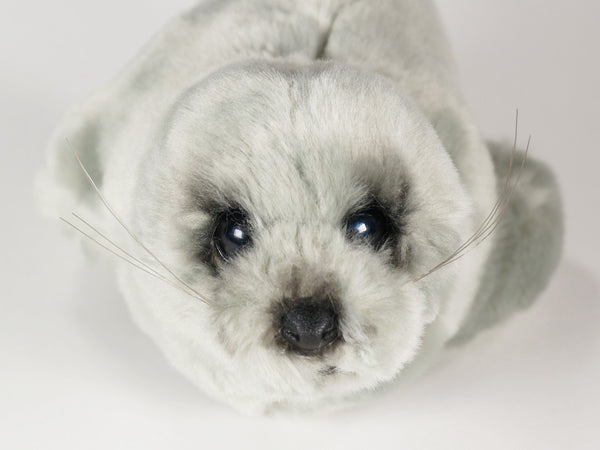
(486, 231)
(99, 233)
(502, 198)
(90, 237)
(506, 201)
(492, 220)
(142, 268)
(506, 192)
(505, 206)
(118, 219)
(139, 262)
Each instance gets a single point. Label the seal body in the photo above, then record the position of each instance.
(291, 173)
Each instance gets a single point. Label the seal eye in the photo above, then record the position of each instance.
(370, 225)
(232, 234)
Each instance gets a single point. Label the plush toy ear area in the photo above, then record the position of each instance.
(62, 186)
(527, 243)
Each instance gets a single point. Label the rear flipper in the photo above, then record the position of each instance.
(527, 245)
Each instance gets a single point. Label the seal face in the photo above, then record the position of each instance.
(301, 202)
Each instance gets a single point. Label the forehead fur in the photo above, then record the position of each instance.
(276, 138)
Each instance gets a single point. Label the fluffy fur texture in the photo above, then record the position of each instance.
(300, 113)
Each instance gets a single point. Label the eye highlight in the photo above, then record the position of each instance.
(232, 234)
(370, 225)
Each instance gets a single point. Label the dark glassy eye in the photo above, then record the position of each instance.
(370, 225)
(232, 233)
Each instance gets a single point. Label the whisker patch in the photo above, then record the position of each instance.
(181, 284)
(490, 223)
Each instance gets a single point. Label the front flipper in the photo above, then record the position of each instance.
(527, 245)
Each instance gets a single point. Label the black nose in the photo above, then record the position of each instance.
(310, 326)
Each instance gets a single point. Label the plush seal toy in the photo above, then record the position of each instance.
(302, 206)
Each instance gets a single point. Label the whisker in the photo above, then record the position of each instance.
(506, 201)
(514, 185)
(133, 258)
(71, 224)
(501, 198)
(486, 231)
(138, 266)
(98, 232)
(118, 219)
(490, 223)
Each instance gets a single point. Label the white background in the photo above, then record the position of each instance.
(76, 374)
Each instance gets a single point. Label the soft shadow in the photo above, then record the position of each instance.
(105, 322)
(554, 344)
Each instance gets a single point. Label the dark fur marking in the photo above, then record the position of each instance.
(329, 370)
(388, 187)
(203, 247)
(396, 213)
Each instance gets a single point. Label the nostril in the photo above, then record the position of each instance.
(329, 335)
(290, 335)
(310, 326)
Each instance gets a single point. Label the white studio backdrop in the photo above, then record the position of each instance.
(76, 373)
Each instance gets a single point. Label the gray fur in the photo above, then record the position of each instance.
(299, 113)
(527, 247)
